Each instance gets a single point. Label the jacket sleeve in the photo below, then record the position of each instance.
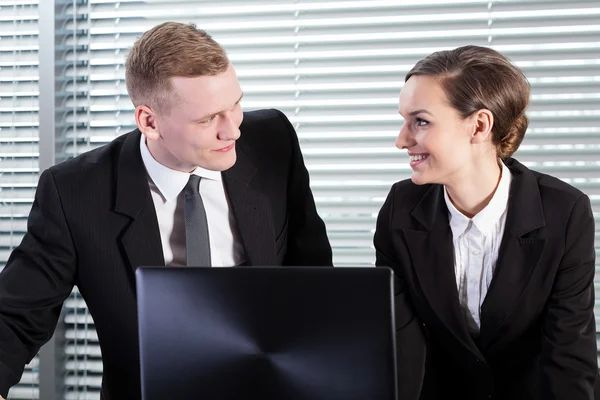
(307, 243)
(569, 359)
(38, 277)
(410, 340)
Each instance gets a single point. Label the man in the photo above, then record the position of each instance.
(98, 217)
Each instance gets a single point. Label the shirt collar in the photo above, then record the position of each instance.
(485, 219)
(168, 181)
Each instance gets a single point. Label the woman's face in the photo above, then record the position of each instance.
(438, 140)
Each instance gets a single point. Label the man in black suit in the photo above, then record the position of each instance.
(98, 217)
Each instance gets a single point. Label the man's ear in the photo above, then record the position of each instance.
(146, 121)
(483, 122)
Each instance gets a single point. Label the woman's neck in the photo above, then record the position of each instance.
(470, 194)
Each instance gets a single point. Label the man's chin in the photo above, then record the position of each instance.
(223, 163)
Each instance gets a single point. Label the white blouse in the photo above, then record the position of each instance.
(476, 245)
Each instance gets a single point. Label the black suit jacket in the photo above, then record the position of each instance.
(538, 335)
(93, 223)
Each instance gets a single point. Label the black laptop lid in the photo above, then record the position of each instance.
(293, 333)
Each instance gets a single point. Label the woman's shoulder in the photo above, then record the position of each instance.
(405, 194)
(407, 186)
(550, 187)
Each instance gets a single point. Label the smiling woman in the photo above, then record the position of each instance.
(465, 112)
(491, 259)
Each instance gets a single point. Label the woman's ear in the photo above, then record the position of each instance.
(483, 122)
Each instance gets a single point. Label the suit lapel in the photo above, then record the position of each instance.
(432, 252)
(141, 237)
(252, 212)
(518, 254)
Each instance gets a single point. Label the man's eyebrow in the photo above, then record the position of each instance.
(218, 112)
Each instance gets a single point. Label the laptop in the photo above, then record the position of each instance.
(289, 333)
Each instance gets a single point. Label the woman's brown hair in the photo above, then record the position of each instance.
(475, 78)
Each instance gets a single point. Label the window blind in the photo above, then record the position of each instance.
(335, 68)
(18, 140)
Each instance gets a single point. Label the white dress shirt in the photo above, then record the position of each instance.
(166, 187)
(476, 245)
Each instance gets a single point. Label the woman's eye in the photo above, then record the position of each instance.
(421, 122)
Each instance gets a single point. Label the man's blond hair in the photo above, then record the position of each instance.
(165, 51)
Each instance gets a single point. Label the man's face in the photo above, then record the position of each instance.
(202, 124)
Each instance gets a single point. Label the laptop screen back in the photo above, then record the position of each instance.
(293, 333)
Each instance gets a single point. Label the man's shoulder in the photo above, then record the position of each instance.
(266, 123)
(264, 132)
(263, 116)
(93, 163)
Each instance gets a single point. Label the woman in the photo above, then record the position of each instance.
(494, 262)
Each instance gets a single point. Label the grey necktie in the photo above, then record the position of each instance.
(197, 242)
